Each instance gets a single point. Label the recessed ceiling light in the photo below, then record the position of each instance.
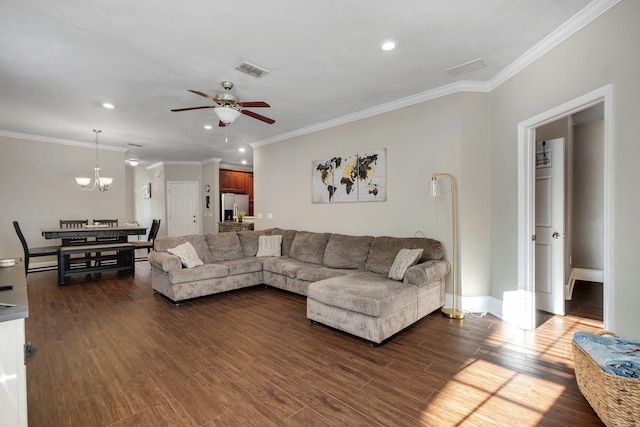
(241, 149)
(208, 127)
(108, 105)
(244, 162)
(389, 44)
(134, 162)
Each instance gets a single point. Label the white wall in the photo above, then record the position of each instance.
(449, 134)
(601, 53)
(37, 189)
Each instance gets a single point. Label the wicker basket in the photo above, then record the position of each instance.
(615, 399)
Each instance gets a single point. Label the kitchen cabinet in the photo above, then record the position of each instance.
(237, 182)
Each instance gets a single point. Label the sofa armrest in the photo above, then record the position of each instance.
(427, 272)
(165, 261)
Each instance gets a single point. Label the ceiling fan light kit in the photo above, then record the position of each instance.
(226, 114)
(228, 107)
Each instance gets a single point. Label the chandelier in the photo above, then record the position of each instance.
(101, 183)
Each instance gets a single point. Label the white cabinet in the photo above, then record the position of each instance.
(13, 374)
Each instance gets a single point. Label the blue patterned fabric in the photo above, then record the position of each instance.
(615, 355)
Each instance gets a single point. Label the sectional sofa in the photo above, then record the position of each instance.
(345, 278)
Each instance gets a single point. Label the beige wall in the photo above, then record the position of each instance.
(588, 215)
(603, 52)
(211, 177)
(37, 189)
(449, 134)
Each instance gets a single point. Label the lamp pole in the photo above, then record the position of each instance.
(452, 313)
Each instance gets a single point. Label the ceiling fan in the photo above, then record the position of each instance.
(228, 107)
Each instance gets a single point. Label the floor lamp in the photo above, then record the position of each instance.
(452, 313)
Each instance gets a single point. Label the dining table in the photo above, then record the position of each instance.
(74, 236)
(94, 249)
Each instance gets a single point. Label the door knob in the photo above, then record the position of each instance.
(556, 235)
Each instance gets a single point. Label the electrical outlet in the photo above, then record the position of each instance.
(259, 215)
(269, 215)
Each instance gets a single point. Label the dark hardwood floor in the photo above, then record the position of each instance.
(108, 352)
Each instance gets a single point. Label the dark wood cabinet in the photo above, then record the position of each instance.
(237, 182)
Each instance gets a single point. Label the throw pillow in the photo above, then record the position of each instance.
(187, 254)
(269, 245)
(405, 259)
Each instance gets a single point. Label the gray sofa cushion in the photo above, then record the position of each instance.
(384, 250)
(308, 246)
(161, 244)
(224, 246)
(285, 266)
(249, 241)
(317, 274)
(365, 293)
(347, 251)
(203, 272)
(243, 266)
(287, 238)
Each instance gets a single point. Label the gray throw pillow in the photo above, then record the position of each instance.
(405, 259)
(269, 246)
(187, 254)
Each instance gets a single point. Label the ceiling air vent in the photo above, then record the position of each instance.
(476, 64)
(251, 69)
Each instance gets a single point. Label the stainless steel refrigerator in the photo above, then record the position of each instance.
(227, 202)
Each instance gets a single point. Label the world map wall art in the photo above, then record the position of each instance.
(360, 177)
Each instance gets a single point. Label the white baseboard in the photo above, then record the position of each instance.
(581, 274)
(480, 304)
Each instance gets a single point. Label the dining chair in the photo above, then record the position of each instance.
(74, 223)
(109, 222)
(148, 244)
(35, 252)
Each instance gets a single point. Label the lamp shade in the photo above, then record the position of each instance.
(226, 114)
(83, 181)
(105, 180)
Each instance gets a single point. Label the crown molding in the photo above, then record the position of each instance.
(212, 160)
(51, 140)
(577, 22)
(182, 163)
(461, 86)
(563, 32)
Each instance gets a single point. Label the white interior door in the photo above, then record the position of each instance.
(550, 227)
(182, 207)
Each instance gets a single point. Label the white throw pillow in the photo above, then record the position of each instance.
(405, 259)
(187, 254)
(269, 245)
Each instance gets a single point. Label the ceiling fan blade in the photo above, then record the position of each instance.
(194, 108)
(253, 104)
(203, 94)
(258, 116)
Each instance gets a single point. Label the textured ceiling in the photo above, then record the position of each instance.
(61, 60)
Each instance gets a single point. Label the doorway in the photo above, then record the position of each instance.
(526, 201)
(182, 208)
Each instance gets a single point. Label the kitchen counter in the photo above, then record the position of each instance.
(234, 226)
(18, 295)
